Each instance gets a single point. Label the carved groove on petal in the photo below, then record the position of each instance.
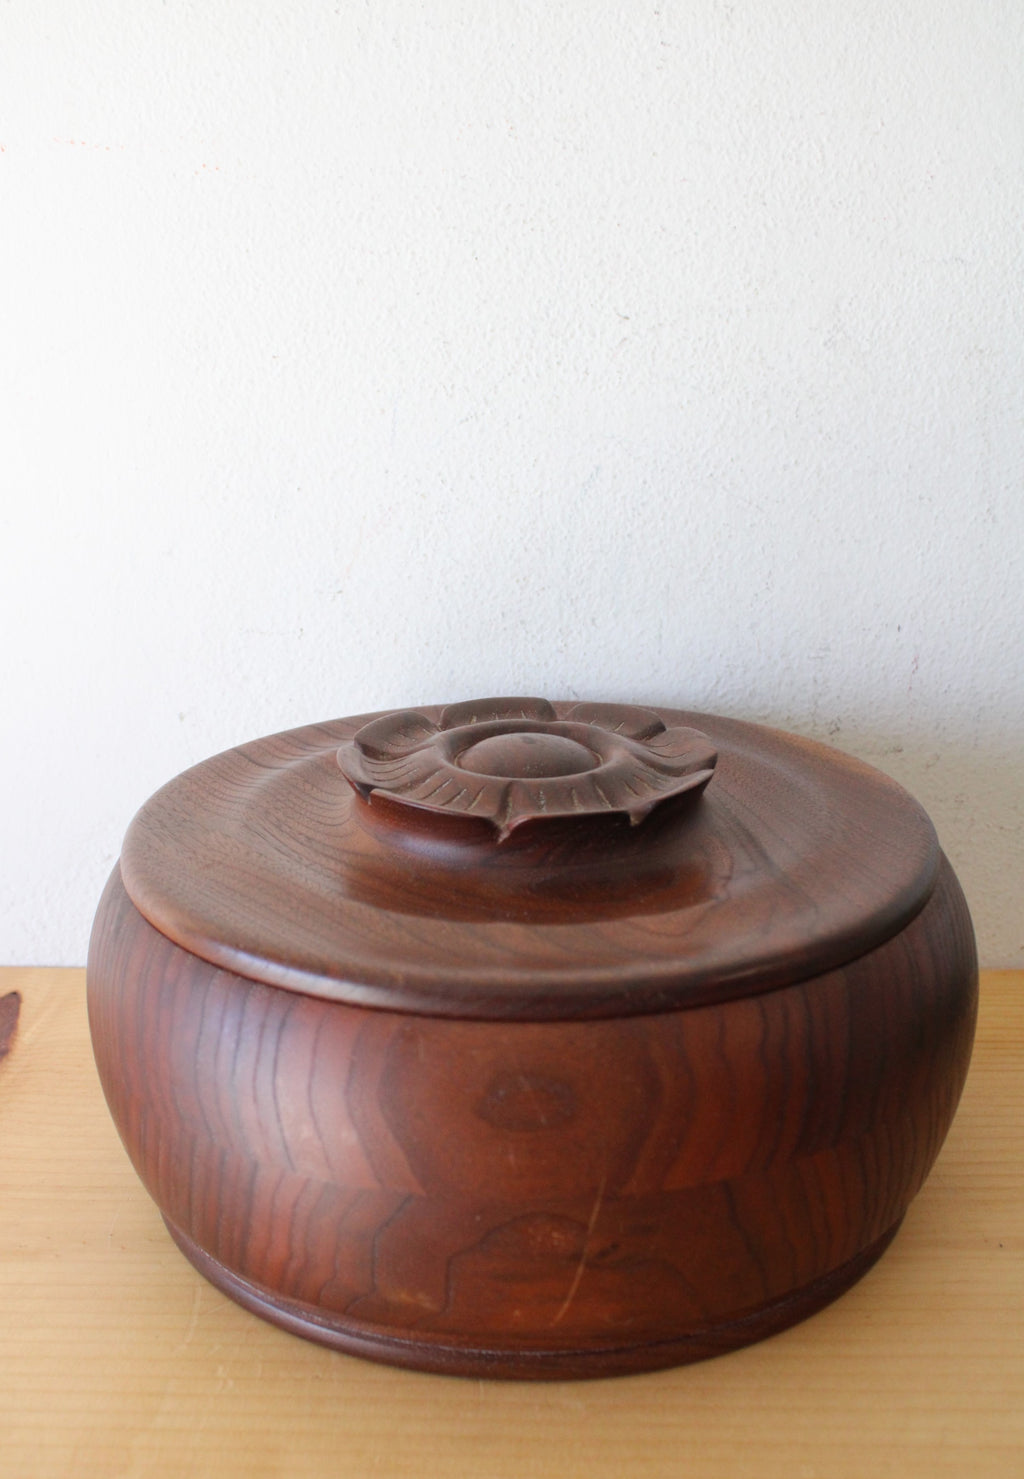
(625, 719)
(681, 742)
(640, 763)
(477, 711)
(394, 734)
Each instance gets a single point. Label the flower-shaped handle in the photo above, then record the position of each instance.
(509, 761)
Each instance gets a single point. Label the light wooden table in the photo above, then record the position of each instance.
(117, 1360)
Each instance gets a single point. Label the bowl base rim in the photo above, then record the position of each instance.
(472, 1356)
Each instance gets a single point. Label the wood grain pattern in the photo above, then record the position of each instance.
(534, 1197)
(118, 1359)
(10, 1010)
(795, 859)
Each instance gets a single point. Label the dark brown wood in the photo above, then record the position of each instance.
(474, 1357)
(524, 1039)
(10, 1010)
(518, 767)
(266, 861)
(539, 1197)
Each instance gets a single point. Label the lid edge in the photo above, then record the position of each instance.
(640, 986)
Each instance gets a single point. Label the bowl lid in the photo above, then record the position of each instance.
(513, 858)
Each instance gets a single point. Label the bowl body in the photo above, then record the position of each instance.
(534, 1198)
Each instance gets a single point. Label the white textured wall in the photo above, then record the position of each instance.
(356, 355)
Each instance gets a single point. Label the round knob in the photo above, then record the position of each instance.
(527, 756)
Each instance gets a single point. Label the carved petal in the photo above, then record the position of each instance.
(682, 743)
(395, 734)
(445, 789)
(477, 711)
(629, 784)
(620, 787)
(626, 719)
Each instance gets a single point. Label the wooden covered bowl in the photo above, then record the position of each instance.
(521, 1039)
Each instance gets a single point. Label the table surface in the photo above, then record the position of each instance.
(117, 1359)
